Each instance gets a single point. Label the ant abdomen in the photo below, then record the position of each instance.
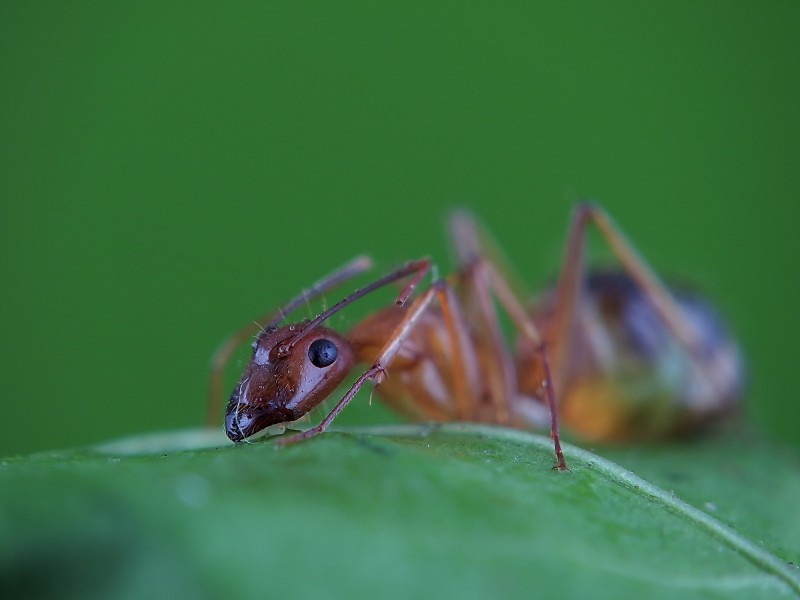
(625, 375)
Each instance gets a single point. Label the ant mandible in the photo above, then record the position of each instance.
(618, 353)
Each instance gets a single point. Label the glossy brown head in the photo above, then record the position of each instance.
(286, 377)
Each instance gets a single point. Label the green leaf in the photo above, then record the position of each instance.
(396, 512)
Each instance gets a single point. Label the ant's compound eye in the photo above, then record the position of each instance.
(322, 353)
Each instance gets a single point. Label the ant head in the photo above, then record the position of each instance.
(288, 375)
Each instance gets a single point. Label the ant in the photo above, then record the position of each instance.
(619, 354)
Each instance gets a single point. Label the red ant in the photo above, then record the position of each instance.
(622, 356)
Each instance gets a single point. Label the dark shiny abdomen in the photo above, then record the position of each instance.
(626, 376)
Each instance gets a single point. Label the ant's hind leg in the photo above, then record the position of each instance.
(223, 353)
(571, 279)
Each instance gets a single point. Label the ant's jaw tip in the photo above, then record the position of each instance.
(239, 426)
(235, 436)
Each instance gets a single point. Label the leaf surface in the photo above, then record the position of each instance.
(398, 512)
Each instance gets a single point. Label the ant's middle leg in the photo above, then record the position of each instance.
(482, 276)
(527, 329)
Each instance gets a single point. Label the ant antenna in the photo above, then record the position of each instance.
(350, 270)
(419, 268)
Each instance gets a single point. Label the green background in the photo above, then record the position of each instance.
(169, 172)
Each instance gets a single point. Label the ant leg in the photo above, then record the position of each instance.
(526, 327)
(223, 353)
(465, 359)
(499, 368)
(571, 278)
(471, 242)
(377, 371)
(480, 255)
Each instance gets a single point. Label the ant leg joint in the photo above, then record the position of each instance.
(378, 374)
(419, 268)
(587, 207)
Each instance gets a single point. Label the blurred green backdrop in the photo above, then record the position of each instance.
(170, 171)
